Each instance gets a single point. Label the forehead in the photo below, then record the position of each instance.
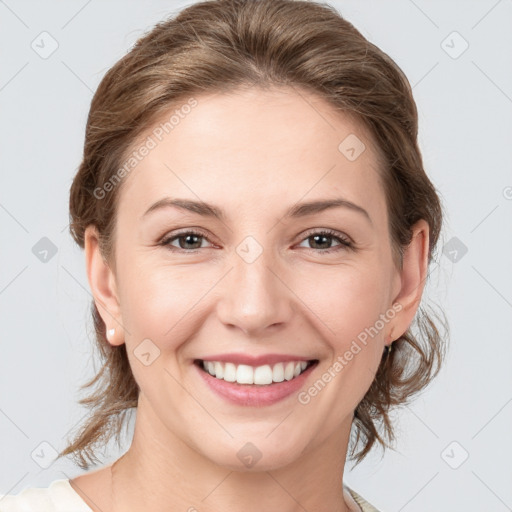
(254, 146)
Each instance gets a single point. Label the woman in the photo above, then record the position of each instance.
(257, 227)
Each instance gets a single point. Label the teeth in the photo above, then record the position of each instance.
(229, 372)
(289, 371)
(244, 374)
(219, 370)
(261, 375)
(278, 372)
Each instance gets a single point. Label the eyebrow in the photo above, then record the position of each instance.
(298, 210)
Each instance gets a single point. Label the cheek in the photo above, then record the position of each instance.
(159, 306)
(349, 324)
(349, 305)
(346, 301)
(158, 300)
(157, 297)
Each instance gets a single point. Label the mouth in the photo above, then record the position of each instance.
(255, 386)
(255, 376)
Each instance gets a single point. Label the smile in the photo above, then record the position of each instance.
(259, 375)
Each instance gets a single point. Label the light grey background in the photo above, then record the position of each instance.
(465, 109)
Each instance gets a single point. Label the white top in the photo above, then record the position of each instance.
(58, 497)
(61, 497)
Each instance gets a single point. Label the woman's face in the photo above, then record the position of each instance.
(259, 279)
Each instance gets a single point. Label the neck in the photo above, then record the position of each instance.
(162, 473)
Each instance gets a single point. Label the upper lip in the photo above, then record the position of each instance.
(270, 359)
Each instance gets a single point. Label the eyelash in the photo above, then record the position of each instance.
(345, 243)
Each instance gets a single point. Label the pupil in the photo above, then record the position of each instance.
(315, 237)
(187, 238)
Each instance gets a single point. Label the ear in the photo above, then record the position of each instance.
(103, 287)
(412, 279)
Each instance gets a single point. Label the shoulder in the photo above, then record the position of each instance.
(363, 505)
(59, 496)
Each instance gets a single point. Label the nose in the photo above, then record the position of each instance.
(255, 295)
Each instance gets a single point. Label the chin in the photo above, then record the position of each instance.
(255, 453)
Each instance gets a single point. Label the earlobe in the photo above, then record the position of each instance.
(102, 284)
(412, 277)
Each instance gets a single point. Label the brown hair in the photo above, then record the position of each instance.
(216, 46)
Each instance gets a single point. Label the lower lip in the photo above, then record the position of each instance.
(254, 395)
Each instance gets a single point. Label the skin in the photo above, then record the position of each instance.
(254, 153)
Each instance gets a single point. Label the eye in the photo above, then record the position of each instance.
(186, 239)
(322, 238)
(190, 241)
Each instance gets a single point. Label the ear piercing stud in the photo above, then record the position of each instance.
(110, 332)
